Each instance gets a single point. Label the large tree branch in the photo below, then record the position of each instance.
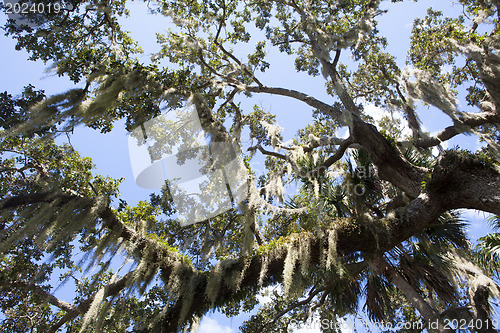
(391, 164)
(421, 213)
(309, 100)
(332, 159)
(456, 182)
(411, 115)
(312, 294)
(73, 311)
(41, 292)
(471, 120)
(142, 246)
(112, 289)
(107, 215)
(40, 197)
(461, 180)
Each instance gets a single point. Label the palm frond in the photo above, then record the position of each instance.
(494, 221)
(417, 157)
(436, 280)
(334, 198)
(361, 157)
(449, 230)
(377, 298)
(489, 245)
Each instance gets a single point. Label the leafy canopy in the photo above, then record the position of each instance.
(336, 224)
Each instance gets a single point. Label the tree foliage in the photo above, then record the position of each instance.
(374, 224)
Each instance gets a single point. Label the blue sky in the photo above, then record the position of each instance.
(110, 152)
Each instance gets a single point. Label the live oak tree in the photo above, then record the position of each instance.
(373, 226)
